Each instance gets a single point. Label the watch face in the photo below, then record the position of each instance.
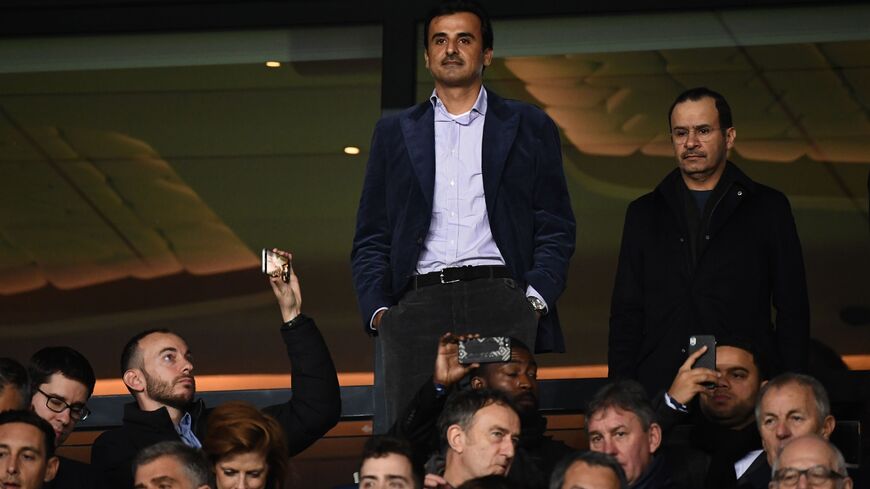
(536, 303)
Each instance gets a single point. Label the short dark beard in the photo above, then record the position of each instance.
(160, 391)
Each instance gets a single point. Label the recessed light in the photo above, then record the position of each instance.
(273, 64)
(351, 150)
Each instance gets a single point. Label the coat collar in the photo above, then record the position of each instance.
(499, 132)
(159, 419)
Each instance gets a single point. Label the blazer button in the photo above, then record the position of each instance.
(739, 193)
(682, 240)
(419, 241)
(707, 237)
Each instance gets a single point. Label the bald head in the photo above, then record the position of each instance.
(813, 458)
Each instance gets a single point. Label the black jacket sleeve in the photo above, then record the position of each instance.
(418, 422)
(316, 403)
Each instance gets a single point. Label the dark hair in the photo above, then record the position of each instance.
(63, 360)
(592, 459)
(516, 344)
(627, 395)
(193, 461)
(238, 427)
(15, 375)
(758, 357)
(29, 417)
(130, 353)
(698, 93)
(820, 395)
(450, 7)
(489, 482)
(380, 446)
(461, 408)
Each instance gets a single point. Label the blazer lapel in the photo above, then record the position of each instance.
(418, 129)
(499, 132)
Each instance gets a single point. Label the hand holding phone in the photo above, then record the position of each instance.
(694, 375)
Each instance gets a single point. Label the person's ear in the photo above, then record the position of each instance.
(730, 136)
(487, 57)
(51, 469)
(134, 380)
(655, 437)
(478, 383)
(426, 58)
(456, 438)
(828, 426)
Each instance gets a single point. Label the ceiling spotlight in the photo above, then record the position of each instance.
(351, 150)
(273, 64)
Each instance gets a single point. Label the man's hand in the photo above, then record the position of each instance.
(288, 294)
(448, 370)
(433, 481)
(688, 382)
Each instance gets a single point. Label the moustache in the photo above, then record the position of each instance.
(527, 395)
(452, 59)
(184, 378)
(687, 154)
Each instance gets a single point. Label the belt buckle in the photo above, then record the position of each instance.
(441, 276)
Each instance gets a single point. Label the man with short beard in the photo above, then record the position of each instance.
(708, 252)
(717, 412)
(157, 369)
(536, 454)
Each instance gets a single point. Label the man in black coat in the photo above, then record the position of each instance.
(536, 454)
(157, 369)
(706, 252)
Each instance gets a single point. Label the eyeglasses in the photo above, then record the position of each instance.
(76, 411)
(702, 133)
(816, 476)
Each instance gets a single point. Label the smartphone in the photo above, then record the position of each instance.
(708, 359)
(275, 265)
(489, 349)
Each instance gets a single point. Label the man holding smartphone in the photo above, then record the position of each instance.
(464, 218)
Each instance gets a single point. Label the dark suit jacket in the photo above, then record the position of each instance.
(749, 257)
(526, 195)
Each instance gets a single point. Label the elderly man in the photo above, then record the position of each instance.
(789, 406)
(479, 430)
(588, 470)
(171, 464)
(621, 422)
(810, 461)
(27, 458)
(536, 453)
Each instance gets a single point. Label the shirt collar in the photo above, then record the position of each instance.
(478, 109)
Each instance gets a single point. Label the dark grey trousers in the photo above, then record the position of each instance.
(408, 335)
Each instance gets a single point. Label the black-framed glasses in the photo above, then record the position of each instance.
(78, 412)
(816, 476)
(702, 133)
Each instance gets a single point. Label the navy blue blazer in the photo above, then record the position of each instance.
(526, 195)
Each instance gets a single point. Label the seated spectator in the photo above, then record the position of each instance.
(479, 430)
(14, 385)
(245, 448)
(620, 422)
(536, 453)
(62, 381)
(27, 458)
(789, 406)
(387, 463)
(173, 465)
(719, 435)
(157, 369)
(490, 482)
(813, 460)
(588, 470)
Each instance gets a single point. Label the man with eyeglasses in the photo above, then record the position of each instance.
(707, 252)
(810, 461)
(62, 381)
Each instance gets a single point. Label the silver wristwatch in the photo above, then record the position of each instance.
(537, 304)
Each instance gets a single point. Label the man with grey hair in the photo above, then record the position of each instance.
(813, 458)
(789, 406)
(171, 464)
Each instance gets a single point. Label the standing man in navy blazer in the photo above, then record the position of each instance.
(464, 223)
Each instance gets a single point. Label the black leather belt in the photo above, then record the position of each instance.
(459, 274)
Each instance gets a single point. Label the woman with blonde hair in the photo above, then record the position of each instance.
(246, 448)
